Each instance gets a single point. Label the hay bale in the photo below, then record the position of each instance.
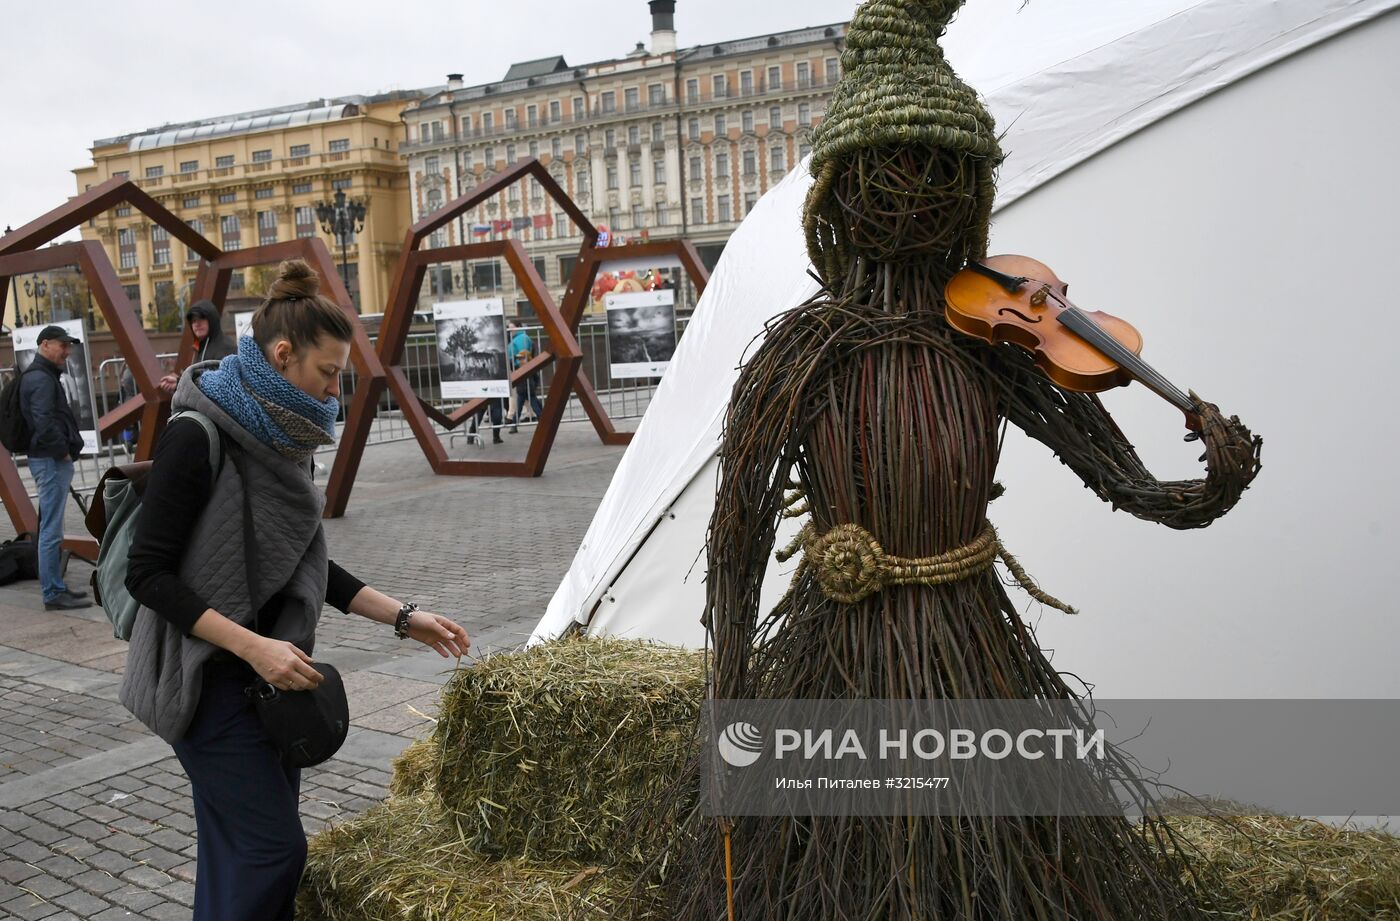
(403, 860)
(555, 752)
(1289, 869)
(415, 769)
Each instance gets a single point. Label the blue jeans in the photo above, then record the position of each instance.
(54, 477)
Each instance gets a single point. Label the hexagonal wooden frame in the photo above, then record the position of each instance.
(398, 317)
(576, 299)
(20, 253)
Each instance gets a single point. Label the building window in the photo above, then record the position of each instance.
(133, 297)
(746, 83)
(486, 275)
(750, 199)
(267, 227)
(580, 144)
(466, 125)
(305, 218)
(123, 211)
(775, 78)
(189, 166)
(634, 171)
(235, 282)
(609, 102)
(536, 191)
(488, 121)
(556, 148)
(833, 70)
(632, 99)
(230, 233)
(692, 129)
(663, 215)
(697, 210)
(581, 179)
(126, 247)
(721, 126)
(198, 227)
(299, 150)
(656, 94)
(638, 217)
(532, 116)
(803, 150)
(513, 193)
(341, 145)
(721, 86)
(121, 174)
(612, 175)
(555, 111)
(425, 133)
(510, 153)
(561, 224)
(534, 149)
(775, 118)
(263, 193)
(658, 132)
(577, 108)
(658, 170)
(434, 202)
(750, 163)
(338, 185)
(804, 114)
(431, 166)
(804, 75)
(228, 198)
(776, 156)
(489, 157)
(262, 156)
(302, 187)
(746, 121)
(721, 166)
(609, 139)
(190, 201)
(634, 134)
(696, 168)
(155, 172)
(510, 118)
(722, 207)
(223, 162)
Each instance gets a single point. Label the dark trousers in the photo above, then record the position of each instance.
(251, 847)
(494, 407)
(527, 392)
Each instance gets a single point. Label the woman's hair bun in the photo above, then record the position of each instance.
(295, 280)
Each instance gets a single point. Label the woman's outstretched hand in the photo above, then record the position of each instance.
(438, 632)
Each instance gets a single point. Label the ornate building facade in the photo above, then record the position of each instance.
(663, 142)
(254, 178)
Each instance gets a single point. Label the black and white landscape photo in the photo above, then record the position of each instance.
(471, 340)
(641, 333)
(75, 380)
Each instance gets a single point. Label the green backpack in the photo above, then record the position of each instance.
(112, 520)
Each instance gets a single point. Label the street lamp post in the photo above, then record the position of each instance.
(34, 287)
(343, 219)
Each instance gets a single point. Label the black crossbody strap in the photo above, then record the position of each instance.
(236, 454)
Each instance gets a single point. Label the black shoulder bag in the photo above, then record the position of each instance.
(307, 727)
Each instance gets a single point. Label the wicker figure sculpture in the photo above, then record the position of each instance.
(887, 422)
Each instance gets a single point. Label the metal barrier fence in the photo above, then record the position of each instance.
(621, 398)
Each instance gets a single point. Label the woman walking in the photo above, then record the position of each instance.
(204, 634)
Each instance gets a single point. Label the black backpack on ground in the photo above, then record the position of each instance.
(19, 559)
(15, 431)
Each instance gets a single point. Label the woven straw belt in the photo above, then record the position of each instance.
(850, 565)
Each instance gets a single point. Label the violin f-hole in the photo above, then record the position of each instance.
(1016, 313)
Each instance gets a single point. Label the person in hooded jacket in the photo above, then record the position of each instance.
(210, 343)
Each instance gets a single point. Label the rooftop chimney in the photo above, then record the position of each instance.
(454, 81)
(663, 26)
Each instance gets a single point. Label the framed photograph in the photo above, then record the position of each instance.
(471, 339)
(76, 378)
(641, 332)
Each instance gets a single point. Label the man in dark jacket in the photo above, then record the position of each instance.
(210, 343)
(53, 446)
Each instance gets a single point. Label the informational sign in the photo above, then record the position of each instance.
(471, 339)
(76, 378)
(242, 324)
(641, 333)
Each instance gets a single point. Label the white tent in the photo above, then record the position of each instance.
(1217, 172)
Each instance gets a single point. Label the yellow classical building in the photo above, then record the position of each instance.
(253, 178)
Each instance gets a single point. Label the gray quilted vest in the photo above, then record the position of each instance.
(163, 666)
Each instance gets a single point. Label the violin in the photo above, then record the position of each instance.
(1019, 300)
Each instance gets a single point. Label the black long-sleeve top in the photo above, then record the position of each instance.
(176, 491)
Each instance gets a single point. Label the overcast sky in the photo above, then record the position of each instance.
(72, 72)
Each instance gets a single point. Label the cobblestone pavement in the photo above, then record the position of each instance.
(96, 820)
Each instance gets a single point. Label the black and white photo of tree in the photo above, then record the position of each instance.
(641, 333)
(471, 339)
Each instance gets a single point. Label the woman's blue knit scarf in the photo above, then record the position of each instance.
(262, 401)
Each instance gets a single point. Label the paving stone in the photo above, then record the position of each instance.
(82, 904)
(28, 908)
(96, 881)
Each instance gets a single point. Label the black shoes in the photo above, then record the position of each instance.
(496, 437)
(68, 601)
